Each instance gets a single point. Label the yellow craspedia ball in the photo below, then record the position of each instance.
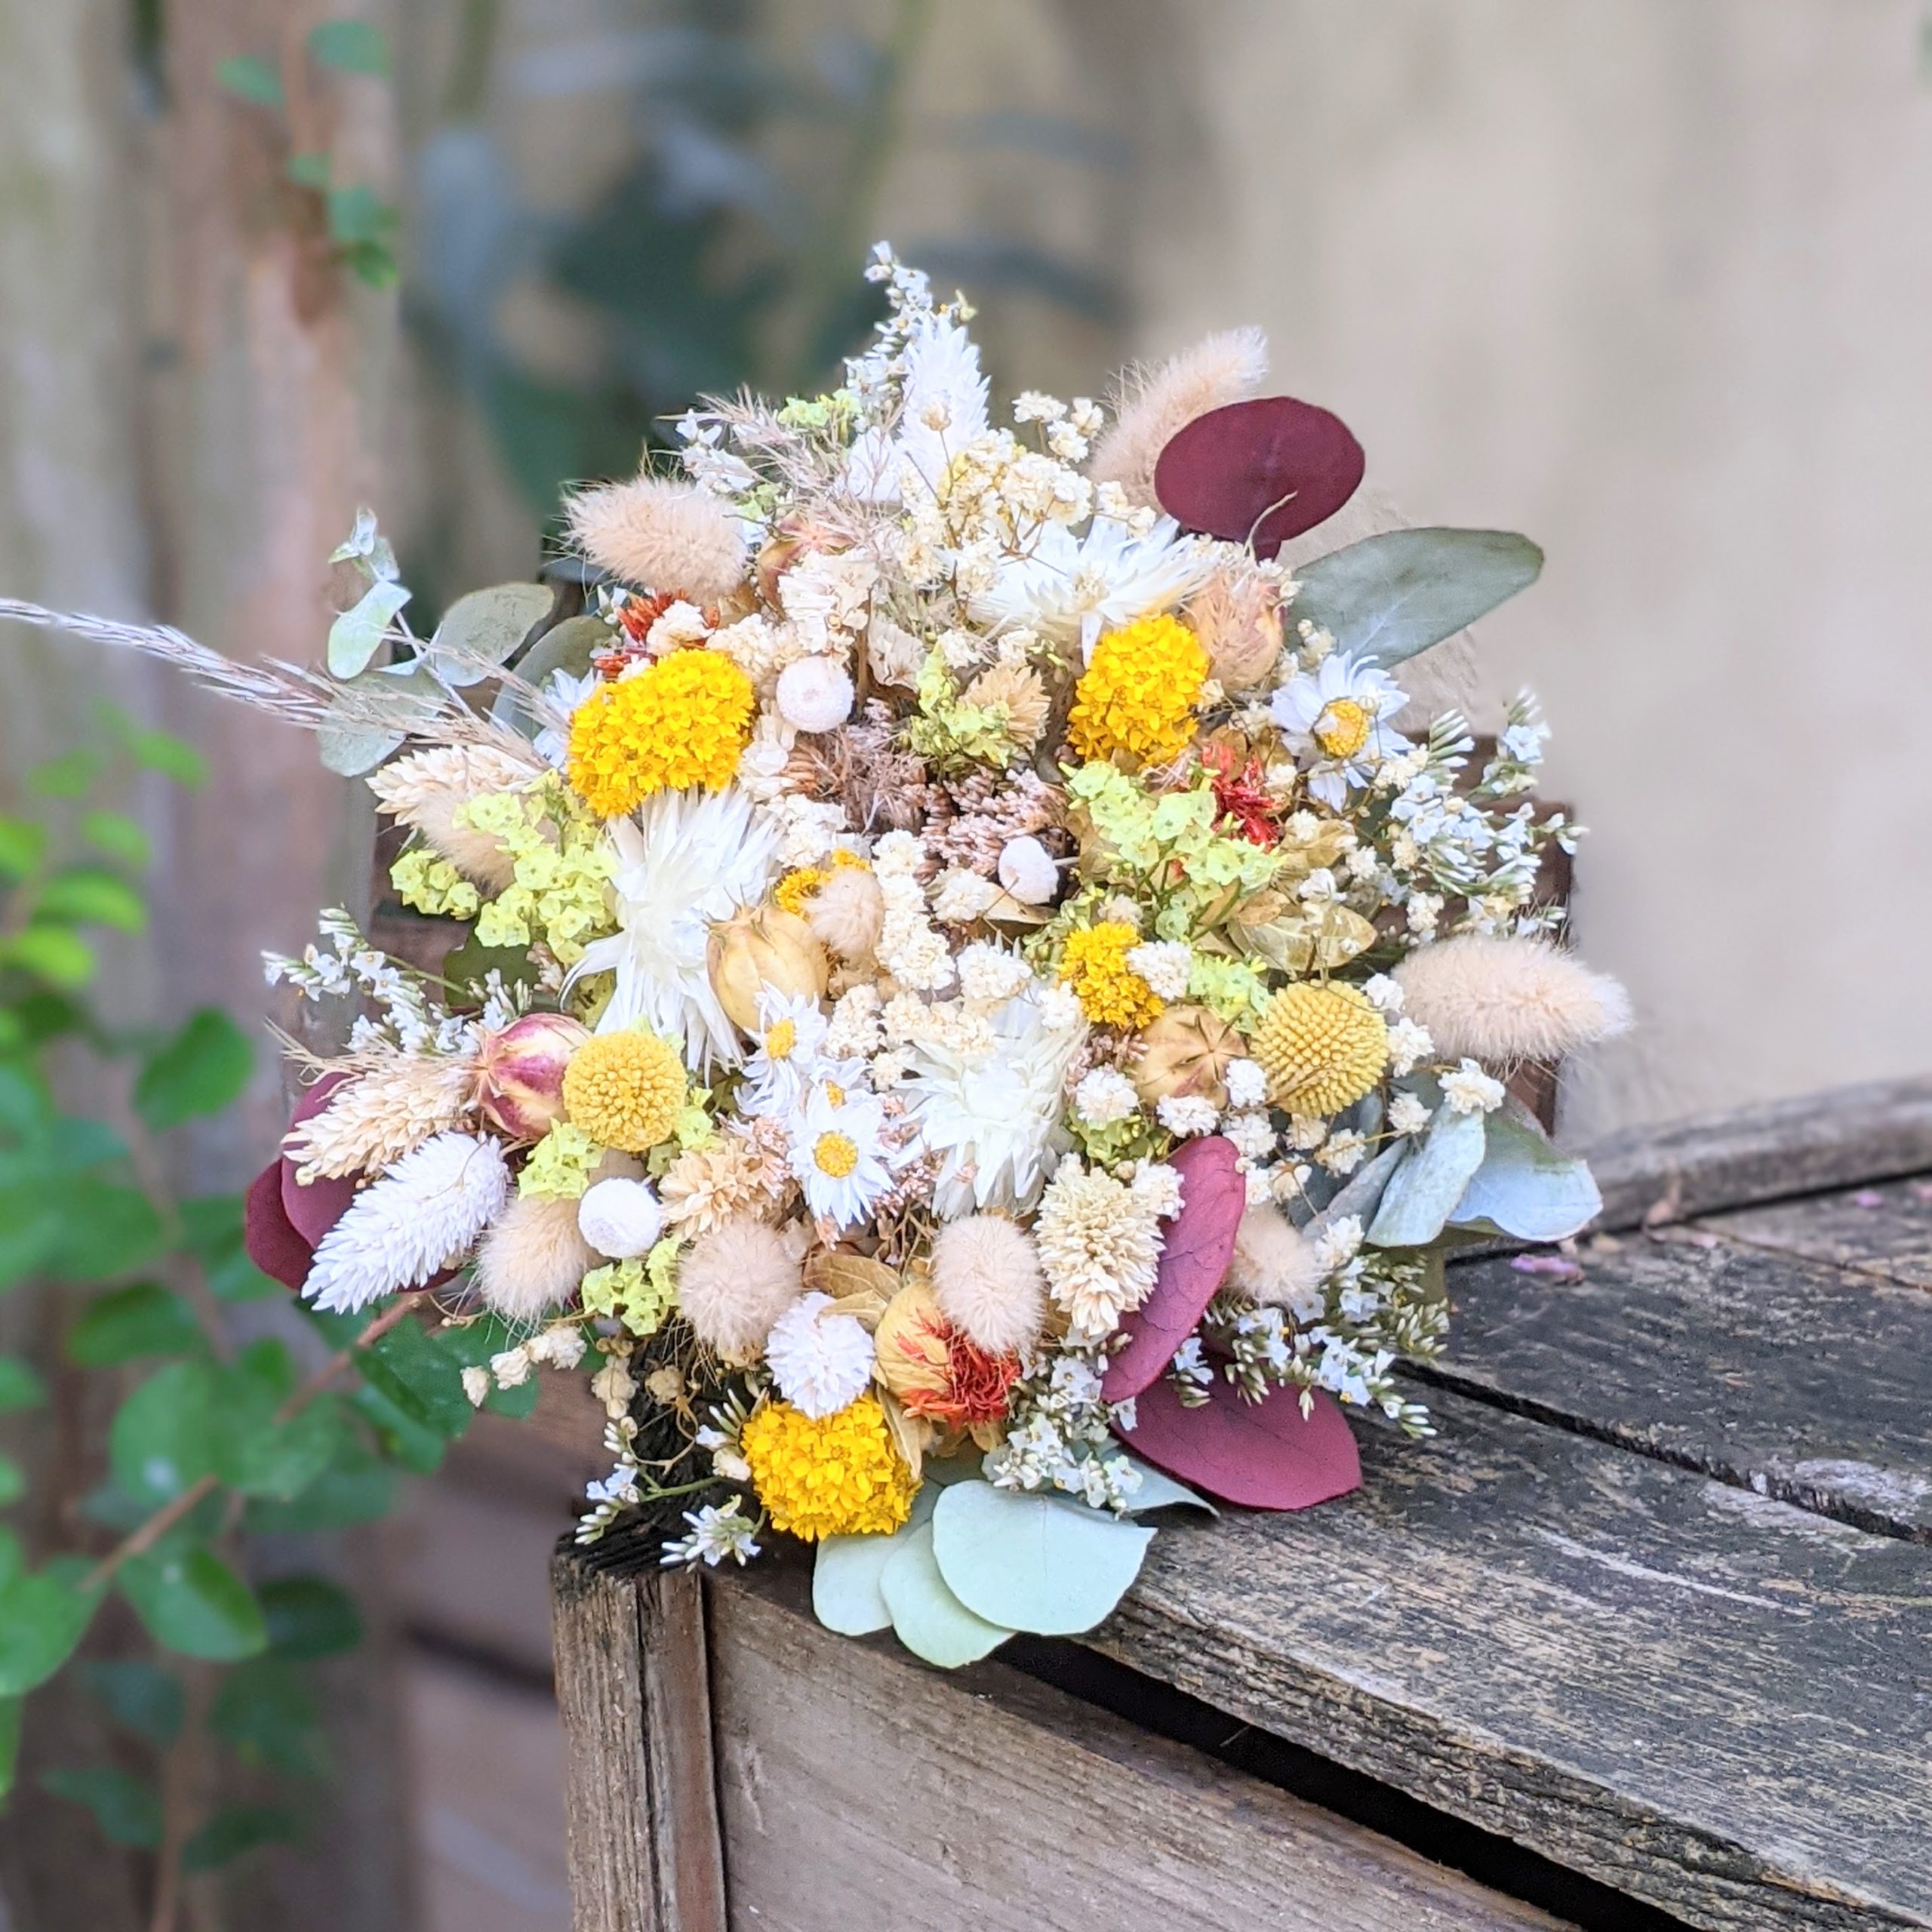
(1138, 694)
(625, 1090)
(1321, 1047)
(837, 1475)
(1111, 993)
(685, 722)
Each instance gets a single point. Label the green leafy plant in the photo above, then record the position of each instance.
(240, 1414)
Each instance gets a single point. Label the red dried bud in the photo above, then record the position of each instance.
(520, 1073)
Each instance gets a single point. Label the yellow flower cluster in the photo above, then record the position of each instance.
(625, 1090)
(793, 892)
(836, 1476)
(1093, 963)
(1321, 1047)
(683, 722)
(1138, 694)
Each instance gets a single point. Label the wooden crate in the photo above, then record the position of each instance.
(1643, 1638)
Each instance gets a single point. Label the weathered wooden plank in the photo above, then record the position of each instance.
(633, 1690)
(1885, 1229)
(1809, 1383)
(1849, 1136)
(862, 1793)
(1719, 1703)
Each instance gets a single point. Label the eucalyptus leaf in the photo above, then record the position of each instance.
(363, 725)
(357, 635)
(1159, 1490)
(927, 1617)
(1387, 597)
(1423, 1192)
(483, 630)
(1032, 1562)
(568, 646)
(1361, 1194)
(846, 1595)
(1525, 1187)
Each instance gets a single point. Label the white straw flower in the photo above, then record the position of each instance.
(821, 1362)
(423, 1216)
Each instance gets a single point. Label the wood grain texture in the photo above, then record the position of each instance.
(1884, 1230)
(862, 1793)
(1841, 1138)
(1807, 1383)
(633, 1691)
(1720, 1704)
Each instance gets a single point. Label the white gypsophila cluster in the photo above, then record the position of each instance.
(421, 1217)
(1060, 1435)
(909, 947)
(1407, 1113)
(1469, 1090)
(1105, 1095)
(352, 966)
(1187, 1115)
(715, 1532)
(1165, 964)
(1247, 1083)
(821, 1362)
(989, 973)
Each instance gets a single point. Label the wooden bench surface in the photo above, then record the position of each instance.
(1656, 1602)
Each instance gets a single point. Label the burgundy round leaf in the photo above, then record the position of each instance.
(1265, 1454)
(1200, 1244)
(273, 1242)
(316, 1208)
(1273, 467)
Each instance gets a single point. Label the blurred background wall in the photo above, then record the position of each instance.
(1647, 279)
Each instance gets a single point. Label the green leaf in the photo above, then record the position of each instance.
(213, 1222)
(235, 1829)
(372, 263)
(265, 1712)
(125, 1324)
(127, 1811)
(200, 1070)
(249, 79)
(174, 758)
(358, 217)
(43, 1615)
(1388, 597)
(1159, 1490)
(357, 635)
(13, 1482)
(846, 1596)
(1034, 1562)
(564, 647)
(483, 630)
(9, 1742)
(21, 1387)
(424, 1380)
(74, 1144)
(1525, 1187)
(191, 1602)
(162, 1439)
(51, 953)
(358, 46)
(119, 836)
(101, 1229)
(310, 1617)
(1423, 1192)
(927, 1617)
(280, 1460)
(23, 846)
(308, 171)
(87, 896)
(30, 1232)
(359, 1487)
(140, 1697)
(418, 1447)
(69, 776)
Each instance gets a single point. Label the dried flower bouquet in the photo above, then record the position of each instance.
(979, 1015)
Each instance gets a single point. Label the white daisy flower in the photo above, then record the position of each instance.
(787, 1055)
(1334, 716)
(839, 1152)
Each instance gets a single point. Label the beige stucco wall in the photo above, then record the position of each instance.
(1652, 280)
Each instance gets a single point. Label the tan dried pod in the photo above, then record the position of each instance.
(761, 946)
(1237, 615)
(1184, 1054)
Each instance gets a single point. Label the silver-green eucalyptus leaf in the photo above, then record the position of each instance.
(927, 1617)
(357, 635)
(1423, 1192)
(482, 630)
(1526, 1187)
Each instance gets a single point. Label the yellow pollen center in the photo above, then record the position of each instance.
(835, 1155)
(780, 1038)
(1343, 728)
(834, 1093)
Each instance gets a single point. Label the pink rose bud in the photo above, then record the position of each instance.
(520, 1073)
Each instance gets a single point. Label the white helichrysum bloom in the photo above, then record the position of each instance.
(821, 1361)
(553, 744)
(1253, 1134)
(1342, 1153)
(1027, 870)
(815, 694)
(1099, 1245)
(1247, 1083)
(990, 972)
(423, 1216)
(715, 1534)
(791, 1038)
(1384, 993)
(995, 1119)
(1339, 717)
(619, 1217)
(1069, 587)
(1406, 1115)
(1408, 1044)
(909, 948)
(854, 1030)
(1105, 1095)
(838, 1154)
(1164, 964)
(1470, 1091)
(942, 401)
(960, 896)
(687, 861)
(1187, 1114)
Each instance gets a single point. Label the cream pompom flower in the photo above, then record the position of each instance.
(821, 1361)
(1337, 718)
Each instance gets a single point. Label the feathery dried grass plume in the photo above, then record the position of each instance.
(847, 914)
(1505, 1001)
(735, 1282)
(532, 1258)
(1274, 1262)
(1155, 404)
(665, 536)
(425, 789)
(381, 1114)
(1237, 615)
